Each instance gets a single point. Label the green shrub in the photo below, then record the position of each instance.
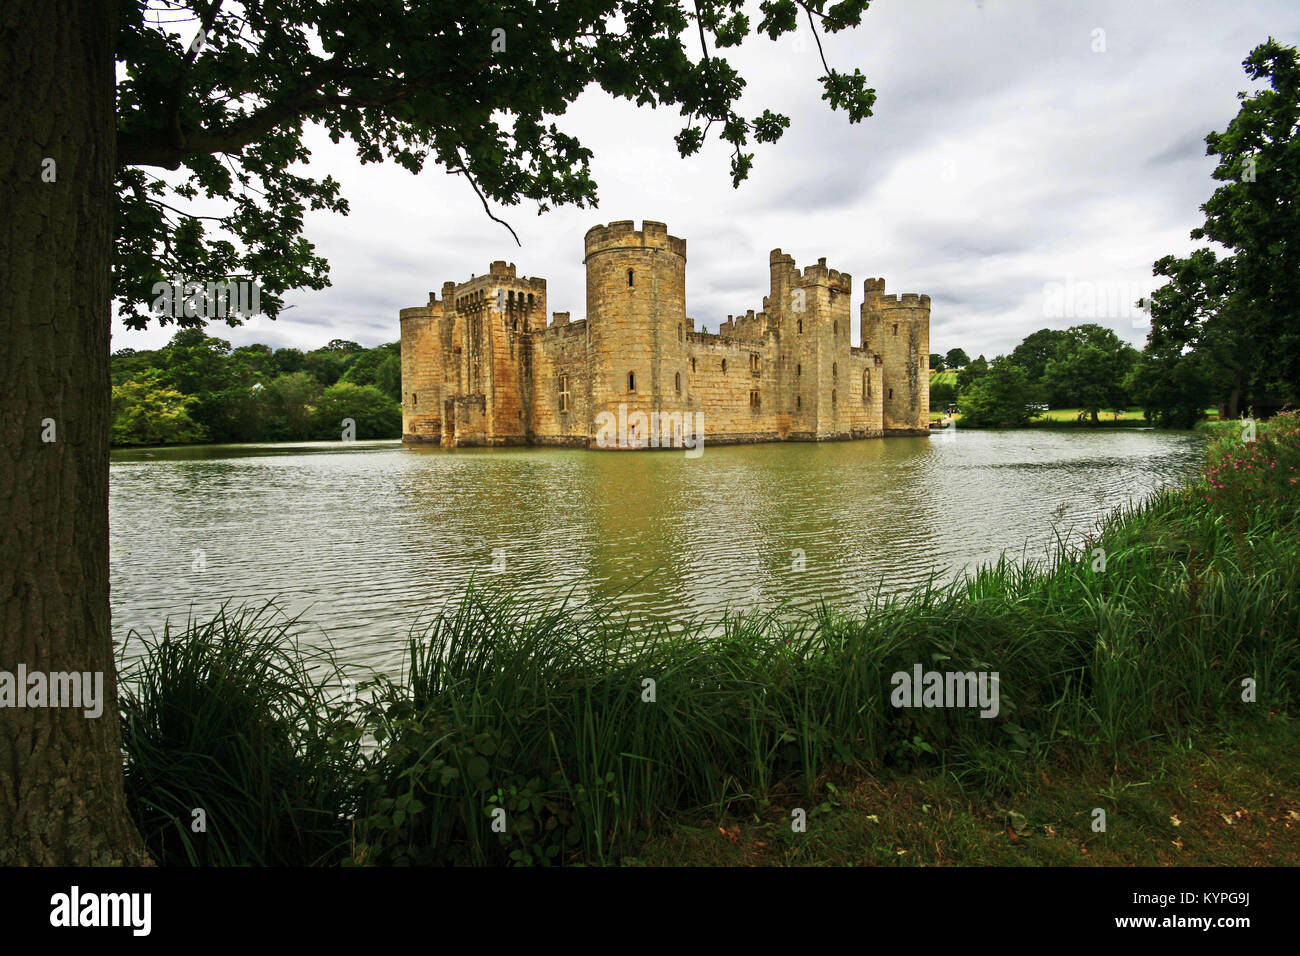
(229, 717)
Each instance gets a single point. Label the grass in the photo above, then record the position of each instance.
(1215, 798)
(544, 733)
(235, 753)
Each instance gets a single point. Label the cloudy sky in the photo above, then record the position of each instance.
(1016, 146)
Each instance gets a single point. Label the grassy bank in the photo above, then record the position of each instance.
(534, 734)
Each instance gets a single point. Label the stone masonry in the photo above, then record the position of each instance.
(482, 366)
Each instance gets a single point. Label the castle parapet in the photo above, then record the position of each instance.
(623, 234)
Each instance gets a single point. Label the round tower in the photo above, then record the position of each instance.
(636, 318)
(422, 371)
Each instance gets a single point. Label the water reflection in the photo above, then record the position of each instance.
(359, 538)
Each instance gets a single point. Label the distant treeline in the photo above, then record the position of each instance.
(1086, 367)
(197, 388)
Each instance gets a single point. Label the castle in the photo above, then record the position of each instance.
(482, 366)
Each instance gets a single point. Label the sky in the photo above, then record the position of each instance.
(1022, 154)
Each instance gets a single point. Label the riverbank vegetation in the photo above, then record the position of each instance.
(197, 388)
(534, 734)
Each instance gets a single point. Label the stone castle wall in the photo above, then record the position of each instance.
(482, 366)
(897, 328)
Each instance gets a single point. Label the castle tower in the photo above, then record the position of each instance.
(897, 328)
(636, 318)
(491, 347)
(422, 370)
(810, 310)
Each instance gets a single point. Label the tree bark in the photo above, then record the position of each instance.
(61, 796)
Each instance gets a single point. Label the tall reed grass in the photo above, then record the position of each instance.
(532, 733)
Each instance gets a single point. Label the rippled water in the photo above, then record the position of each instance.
(362, 537)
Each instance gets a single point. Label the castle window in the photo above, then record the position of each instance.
(692, 365)
(832, 396)
(835, 327)
(629, 278)
(801, 326)
(798, 368)
(724, 365)
(631, 381)
(753, 361)
(835, 369)
(677, 381)
(415, 400)
(798, 401)
(530, 300)
(891, 393)
(514, 324)
(895, 328)
(753, 398)
(564, 393)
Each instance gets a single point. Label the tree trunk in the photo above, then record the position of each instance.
(1234, 397)
(61, 797)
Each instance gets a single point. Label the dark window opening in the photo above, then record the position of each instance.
(631, 381)
(629, 277)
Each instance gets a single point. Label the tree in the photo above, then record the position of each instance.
(936, 362)
(381, 367)
(292, 399)
(1173, 390)
(999, 397)
(145, 413)
(956, 358)
(472, 86)
(943, 395)
(61, 796)
(973, 370)
(1240, 314)
(1037, 349)
(373, 414)
(1090, 368)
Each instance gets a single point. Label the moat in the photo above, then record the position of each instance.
(363, 538)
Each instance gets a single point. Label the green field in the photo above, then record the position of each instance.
(946, 377)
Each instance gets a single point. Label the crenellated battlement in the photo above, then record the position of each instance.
(623, 234)
(874, 297)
